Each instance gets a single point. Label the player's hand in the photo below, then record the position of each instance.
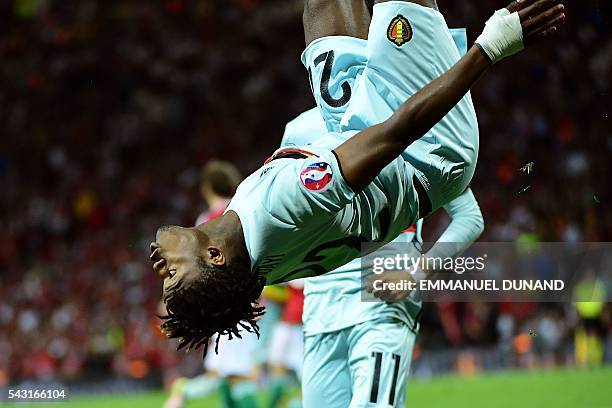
(398, 280)
(539, 19)
(523, 22)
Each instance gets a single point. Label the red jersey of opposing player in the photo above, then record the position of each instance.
(292, 313)
(213, 212)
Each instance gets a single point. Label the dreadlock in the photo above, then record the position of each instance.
(217, 302)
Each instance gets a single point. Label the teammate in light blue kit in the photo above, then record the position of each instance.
(345, 338)
(309, 210)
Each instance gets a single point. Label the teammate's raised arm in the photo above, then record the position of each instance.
(467, 224)
(522, 23)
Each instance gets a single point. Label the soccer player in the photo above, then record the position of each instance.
(232, 371)
(359, 353)
(287, 347)
(218, 183)
(307, 211)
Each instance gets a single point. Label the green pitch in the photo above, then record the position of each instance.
(556, 389)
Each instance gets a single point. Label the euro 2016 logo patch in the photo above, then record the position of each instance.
(399, 31)
(317, 176)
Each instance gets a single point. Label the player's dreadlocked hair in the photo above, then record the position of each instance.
(218, 301)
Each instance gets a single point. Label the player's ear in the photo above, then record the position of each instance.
(216, 257)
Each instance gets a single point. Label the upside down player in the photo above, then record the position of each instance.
(359, 353)
(231, 371)
(284, 224)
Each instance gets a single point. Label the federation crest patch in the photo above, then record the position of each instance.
(316, 176)
(399, 31)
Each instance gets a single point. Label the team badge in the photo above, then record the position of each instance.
(400, 31)
(317, 176)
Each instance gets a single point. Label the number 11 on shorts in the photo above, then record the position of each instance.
(378, 360)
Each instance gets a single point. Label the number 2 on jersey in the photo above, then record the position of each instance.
(328, 58)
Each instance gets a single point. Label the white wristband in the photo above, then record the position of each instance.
(502, 36)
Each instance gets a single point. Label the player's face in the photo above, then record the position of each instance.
(175, 254)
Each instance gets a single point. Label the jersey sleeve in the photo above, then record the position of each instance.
(465, 228)
(305, 129)
(307, 190)
(467, 223)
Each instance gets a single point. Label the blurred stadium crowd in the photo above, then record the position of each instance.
(110, 108)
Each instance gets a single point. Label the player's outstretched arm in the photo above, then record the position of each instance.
(522, 23)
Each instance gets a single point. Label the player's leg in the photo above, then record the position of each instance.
(294, 360)
(280, 367)
(236, 366)
(326, 379)
(328, 18)
(410, 45)
(335, 32)
(215, 367)
(351, 18)
(185, 389)
(380, 354)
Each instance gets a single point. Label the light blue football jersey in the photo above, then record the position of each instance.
(333, 301)
(301, 219)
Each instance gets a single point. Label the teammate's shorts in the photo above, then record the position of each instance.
(287, 347)
(408, 47)
(235, 358)
(365, 365)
